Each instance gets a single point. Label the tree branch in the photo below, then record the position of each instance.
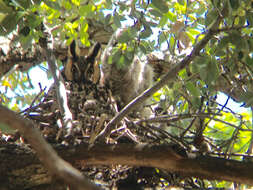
(56, 166)
(166, 157)
(160, 156)
(61, 94)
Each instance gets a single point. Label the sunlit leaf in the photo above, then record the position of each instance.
(76, 2)
(171, 16)
(6, 83)
(182, 73)
(86, 9)
(53, 4)
(67, 5)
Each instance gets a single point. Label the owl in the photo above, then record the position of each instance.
(127, 81)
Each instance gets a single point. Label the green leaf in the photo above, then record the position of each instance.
(163, 21)
(196, 102)
(76, 2)
(116, 20)
(211, 72)
(129, 55)
(84, 37)
(23, 4)
(9, 23)
(122, 6)
(2, 16)
(161, 38)
(67, 5)
(207, 71)
(200, 62)
(53, 4)
(146, 33)
(193, 89)
(172, 17)
(168, 16)
(249, 17)
(86, 10)
(157, 96)
(172, 43)
(193, 31)
(238, 40)
(156, 13)
(161, 5)
(116, 54)
(220, 52)
(182, 73)
(121, 62)
(143, 48)
(108, 4)
(124, 38)
(249, 61)
(107, 19)
(224, 42)
(211, 18)
(234, 4)
(4, 8)
(182, 2)
(33, 20)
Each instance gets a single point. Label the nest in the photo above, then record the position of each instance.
(90, 104)
(92, 107)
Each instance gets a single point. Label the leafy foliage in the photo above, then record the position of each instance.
(170, 27)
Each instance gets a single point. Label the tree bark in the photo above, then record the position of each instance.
(19, 166)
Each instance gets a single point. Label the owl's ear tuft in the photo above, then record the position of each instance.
(94, 52)
(74, 51)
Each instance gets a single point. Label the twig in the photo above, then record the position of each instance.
(232, 125)
(171, 137)
(174, 118)
(33, 101)
(188, 128)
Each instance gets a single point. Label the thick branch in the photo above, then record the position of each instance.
(165, 157)
(160, 156)
(55, 165)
